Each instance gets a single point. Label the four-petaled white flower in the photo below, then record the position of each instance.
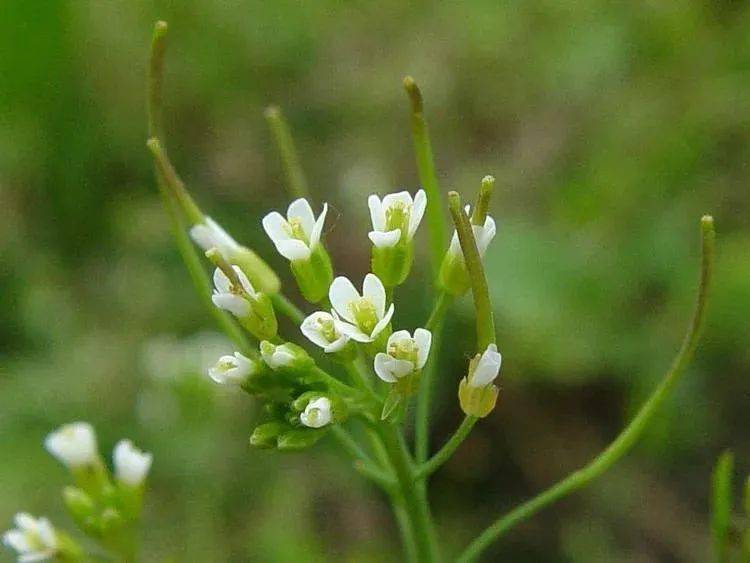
(487, 368)
(131, 464)
(363, 317)
(232, 370)
(209, 234)
(404, 355)
(317, 413)
(397, 216)
(322, 328)
(34, 539)
(73, 444)
(231, 298)
(483, 234)
(296, 236)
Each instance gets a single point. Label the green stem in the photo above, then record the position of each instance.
(287, 308)
(415, 503)
(295, 177)
(362, 462)
(424, 397)
(448, 449)
(479, 288)
(624, 442)
(427, 177)
(200, 279)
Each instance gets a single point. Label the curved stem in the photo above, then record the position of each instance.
(622, 444)
(362, 462)
(448, 448)
(287, 308)
(424, 398)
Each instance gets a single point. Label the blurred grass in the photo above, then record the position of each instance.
(610, 127)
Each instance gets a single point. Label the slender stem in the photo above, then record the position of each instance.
(295, 177)
(624, 442)
(333, 382)
(721, 506)
(415, 503)
(427, 177)
(362, 462)
(287, 308)
(404, 526)
(479, 288)
(424, 397)
(448, 449)
(356, 372)
(188, 253)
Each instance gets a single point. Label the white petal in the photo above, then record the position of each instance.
(203, 237)
(323, 415)
(341, 293)
(131, 464)
(293, 249)
(487, 368)
(398, 336)
(385, 239)
(73, 444)
(382, 323)
(423, 339)
(353, 332)
(336, 345)
(403, 197)
(310, 327)
(318, 227)
(377, 214)
(221, 282)
(281, 357)
(46, 532)
(16, 539)
(235, 304)
(399, 368)
(381, 365)
(246, 285)
(488, 232)
(300, 209)
(455, 246)
(276, 227)
(372, 289)
(417, 212)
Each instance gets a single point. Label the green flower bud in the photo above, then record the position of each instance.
(79, 505)
(314, 274)
(265, 435)
(286, 358)
(300, 439)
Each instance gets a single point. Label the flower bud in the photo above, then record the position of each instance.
(297, 238)
(131, 464)
(287, 357)
(233, 370)
(394, 221)
(476, 393)
(265, 435)
(300, 439)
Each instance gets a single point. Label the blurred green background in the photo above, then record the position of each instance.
(611, 127)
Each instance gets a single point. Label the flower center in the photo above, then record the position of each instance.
(397, 217)
(364, 314)
(405, 349)
(295, 230)
(327, 329)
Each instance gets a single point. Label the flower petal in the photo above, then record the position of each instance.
(423, 339)
(385, 239)
(417, 212)
(402, 197)
(382, 366)
(235, 304)
(487, 368)
(336, 345)
(310, 327)
(300, 209)
(377, 214)
(246, 285)
(398, 336)
(382, 323)
(293, 249)
(276, 227)
(341, 293)
(318, 227)
(372, 289)
(221, 282)
(353, 332)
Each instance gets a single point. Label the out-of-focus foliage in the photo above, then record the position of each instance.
(611, 128)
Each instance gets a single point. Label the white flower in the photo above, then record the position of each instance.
(73, 444)
(396, 216)
(131, 464)
(277, 356)
(404, 354)
(232, 370)
(209, 234)
(487, 368)
(364, 316)
(34, 539)
(482, 233)
(317, 413)
(322, 328)
(230, 298)
(296, 236)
